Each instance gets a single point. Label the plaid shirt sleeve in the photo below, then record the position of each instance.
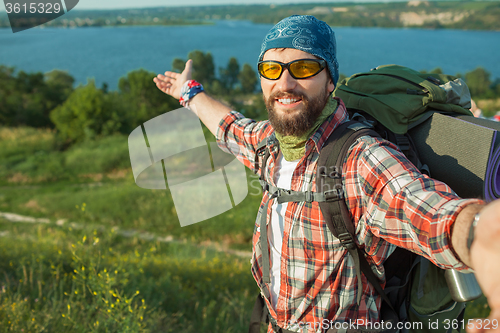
(240, 136)
(392, 201)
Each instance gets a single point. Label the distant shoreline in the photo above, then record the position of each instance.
(211, 23)
(422, 14)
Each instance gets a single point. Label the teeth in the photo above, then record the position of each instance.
(287, 100)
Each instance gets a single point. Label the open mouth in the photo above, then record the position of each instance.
(289, 101)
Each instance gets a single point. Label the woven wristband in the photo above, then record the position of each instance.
(189, 89)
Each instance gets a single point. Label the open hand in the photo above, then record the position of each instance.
(171, 83)
(485, 256)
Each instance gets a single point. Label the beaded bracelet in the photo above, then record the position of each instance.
(189, 89)
(472, 229)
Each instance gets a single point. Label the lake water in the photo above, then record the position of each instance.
(106, 54)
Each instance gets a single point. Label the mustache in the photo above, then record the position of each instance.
(287, 94)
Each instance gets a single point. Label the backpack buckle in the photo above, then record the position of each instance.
(347, 241)
(309, 196)
(336, 194)
(264, 185)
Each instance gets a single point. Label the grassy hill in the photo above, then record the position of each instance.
(103, 255)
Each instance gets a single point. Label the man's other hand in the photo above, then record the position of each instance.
(171, 83)
(485, 256)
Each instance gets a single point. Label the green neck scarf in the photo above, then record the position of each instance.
(294, 147)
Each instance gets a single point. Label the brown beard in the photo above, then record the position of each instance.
(299, 122)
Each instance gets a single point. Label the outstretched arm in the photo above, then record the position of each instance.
(209, 110)
(484, 255)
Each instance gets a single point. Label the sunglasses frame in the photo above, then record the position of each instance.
(284, 66)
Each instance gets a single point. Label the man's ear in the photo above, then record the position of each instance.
(331, 86)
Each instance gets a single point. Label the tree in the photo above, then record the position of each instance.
(28, 98)
(496, 87)
(60, 80)
(248, 79)
(203, 70)
(436, 70)
(87, 113)
(7, 89)
(143, 100)
(59, 87)
(203, 66)
(216, 88)
(229, 75)
(479, 82)
(178, 65)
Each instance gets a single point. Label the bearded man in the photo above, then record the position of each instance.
(303, 272)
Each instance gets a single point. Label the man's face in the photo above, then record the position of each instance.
(294, 105)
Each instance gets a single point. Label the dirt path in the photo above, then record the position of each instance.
(16, 218)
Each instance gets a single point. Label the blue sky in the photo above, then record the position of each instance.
(109, 4)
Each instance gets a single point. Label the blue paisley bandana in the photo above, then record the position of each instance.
(305, 33)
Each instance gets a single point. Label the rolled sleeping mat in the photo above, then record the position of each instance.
(463, 152)
(492, 179)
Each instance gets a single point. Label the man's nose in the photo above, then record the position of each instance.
(286, 82)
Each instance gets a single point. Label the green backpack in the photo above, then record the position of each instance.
(385, 102)
(400, 98)
(414, 110)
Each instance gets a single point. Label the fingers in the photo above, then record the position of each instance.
(171, 75)
(186, 73)
(484, 325)
(164, 82)
(163, 85)
(188, 68)
(166, 78)
(161, 80)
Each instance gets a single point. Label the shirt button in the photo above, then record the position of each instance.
(258, 229)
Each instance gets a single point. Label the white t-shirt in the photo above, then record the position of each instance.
(283, 179)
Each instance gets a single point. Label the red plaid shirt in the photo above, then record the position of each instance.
(392, 203)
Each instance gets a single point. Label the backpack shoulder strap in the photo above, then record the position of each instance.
(262, 153)
(329, 176)
(335, 212)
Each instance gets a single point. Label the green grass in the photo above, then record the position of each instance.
(55, 278)
(123, 204)
(31, 156)
(98, 174)
(58, 279)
